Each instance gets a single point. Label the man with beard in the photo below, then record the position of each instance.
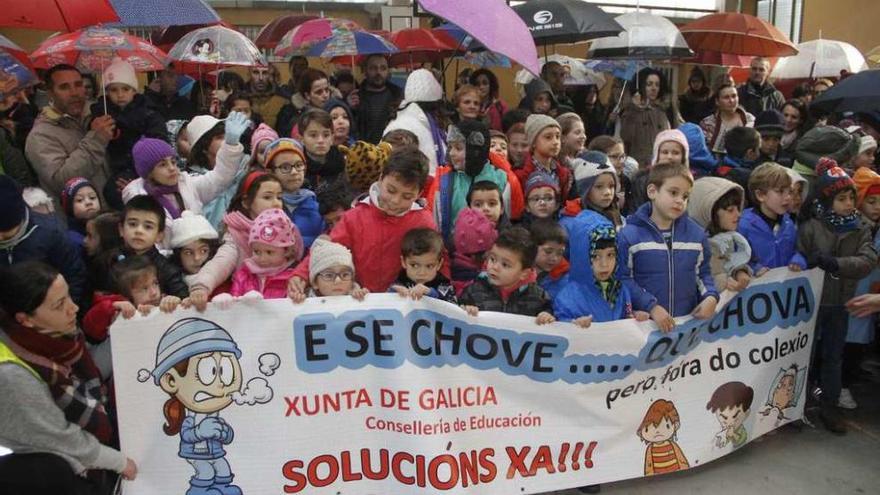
(264, 100)
(375, 101)
(757, 94)
(63, 144)
(162, 94)
(297, 65)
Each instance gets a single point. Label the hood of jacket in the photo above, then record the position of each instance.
(587, 227)
(705, 193)
(699, 154)
(533, 89)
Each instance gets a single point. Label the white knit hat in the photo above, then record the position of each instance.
(120, 71)
(190, 227)
(325, 254)
(199, 126)
(867, 143)
(536, 123)
(421, 85)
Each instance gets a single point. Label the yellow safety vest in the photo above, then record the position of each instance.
(7, 356)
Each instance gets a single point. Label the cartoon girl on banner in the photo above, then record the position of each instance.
(658, 430)
(197, 366)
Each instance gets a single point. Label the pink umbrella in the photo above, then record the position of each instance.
(300, 39)
(506, 34)
(94, 48)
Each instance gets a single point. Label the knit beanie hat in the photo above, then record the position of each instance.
(364, 163)
(867, 143)
(830, 141)
(199, 126)
(147, 153)
(122, 72)
(588, 166)
(260, 134)
(705, 193)
(867, 184)
(12, 205)
(474, 233)
(273, 227)
(675, 136)
(537, 123)
(831, 179)
(71, 187)
(325, 254)
(187, 338)
(190, 227)
(770, 123)
(421, 85)
(541, 179)
(283, 144)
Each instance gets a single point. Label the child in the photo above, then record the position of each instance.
(485, 197)
(613, 149)
(474, 234)
(400, 138)
(272, 240)
(373, 229)
(141, 228)
(700, 157)
(574, 137)
(542, 197)
(194, 242)
(799, 191)
(260, 139)
(468, 154)
(743, 146)
(285, 161)
(770, 124)
(518, 145)
(837, 242)
(731, 404)
(324, 161)
(670, 147)
(544, 137)
(81, 203)
(552, 267)
(596, 182)
(594, 292)
(867, 152)
(498, 142)
(421, 259)
(333, 202)
(715, 204)
(102, 234)
(658, 235)
(364, 163)
(508, 284)
(332, 272)
(134, 118)
(768, 227)
(135, 288)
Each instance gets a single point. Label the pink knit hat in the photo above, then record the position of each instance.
(675, 136)
(273, 227)
(261, 133)
(474, 233)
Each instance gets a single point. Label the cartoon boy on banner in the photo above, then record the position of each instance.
(658, 430)
(731, 404)
(197, 365)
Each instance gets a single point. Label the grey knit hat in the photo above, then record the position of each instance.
(830, 141)
(537, 123)
(187, 338)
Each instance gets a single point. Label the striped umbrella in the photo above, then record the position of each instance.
(351, 44)
(300, 39)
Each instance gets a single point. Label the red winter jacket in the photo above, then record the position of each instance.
(562, 173)
(100, 316)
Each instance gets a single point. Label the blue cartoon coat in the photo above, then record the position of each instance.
(203, 436)
(770, 249)
(677, 278)
(582, 296)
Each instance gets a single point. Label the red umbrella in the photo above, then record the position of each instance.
(166, 38)
(737, 34)
(719, 59)
(418, 45)
(16, 51)
(56, 15)
(272, 32)
(93, 48)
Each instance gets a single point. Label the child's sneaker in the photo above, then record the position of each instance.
(846, 400)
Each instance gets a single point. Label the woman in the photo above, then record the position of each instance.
(593, 113)
(467, 103)
(420, 113)
(795, 122)
(696, 103)
(644, 117)
(490, 104)
(313, 91)
(728, 114)
(54, 412)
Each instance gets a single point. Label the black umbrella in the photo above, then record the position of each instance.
(857, 93)
(566, 21)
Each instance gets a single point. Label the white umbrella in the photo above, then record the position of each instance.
(646, 36)
(578, 73)
(820, 58)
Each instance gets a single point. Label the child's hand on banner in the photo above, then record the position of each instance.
(223, 301)
(662, 318)
(125, 308)
(419, 291)
(584, 321)
(250, 297)
(471, 310)
(359, 293)
(131, 470)
(169, 303)
(705, 309)
(641, 316)
(544, 318)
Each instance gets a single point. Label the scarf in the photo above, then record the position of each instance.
(239, 227)
(67, 368)
(839, 223)
(609, 290)
(268, 271)
(162, 193)
(439, 137)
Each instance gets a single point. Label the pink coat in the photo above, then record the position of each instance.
(271, 287)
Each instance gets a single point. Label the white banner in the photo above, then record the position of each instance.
(395, 396)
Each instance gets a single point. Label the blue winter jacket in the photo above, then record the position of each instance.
(582, 296)
(677, 279)
(194, 446)
(768, 249)
(553, 285)
(700, 157)
(302, 209)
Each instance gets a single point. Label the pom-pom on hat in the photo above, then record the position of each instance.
(831, 179)
(190, 227)
(147, 153)
(122, 72)
(274, 228)
(71, 187)
(325, 254)
(537, 123)
(540, 179)
(474, 233)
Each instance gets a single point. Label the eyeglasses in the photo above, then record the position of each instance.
(618, 158)
(542, 199)
(331, 276)
(288, 168)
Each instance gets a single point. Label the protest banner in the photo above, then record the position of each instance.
(396, 396)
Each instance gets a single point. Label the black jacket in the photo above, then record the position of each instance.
(441, 287)
(528, 300)
(138, 118)
(755, 100)
(175, 108)
(331, 170)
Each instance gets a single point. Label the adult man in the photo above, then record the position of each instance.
(62, 144)
(375, 101)
(263, 97)
(162, 94)
(757, 95)
(297, 65)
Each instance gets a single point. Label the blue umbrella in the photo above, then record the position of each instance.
(163, 12)
(14, 76)
(350, 44)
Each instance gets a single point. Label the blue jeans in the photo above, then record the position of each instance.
(208, 469)
(828, 345)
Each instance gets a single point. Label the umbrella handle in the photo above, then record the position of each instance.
(104, 93)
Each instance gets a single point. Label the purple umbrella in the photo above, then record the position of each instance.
(507, 34)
